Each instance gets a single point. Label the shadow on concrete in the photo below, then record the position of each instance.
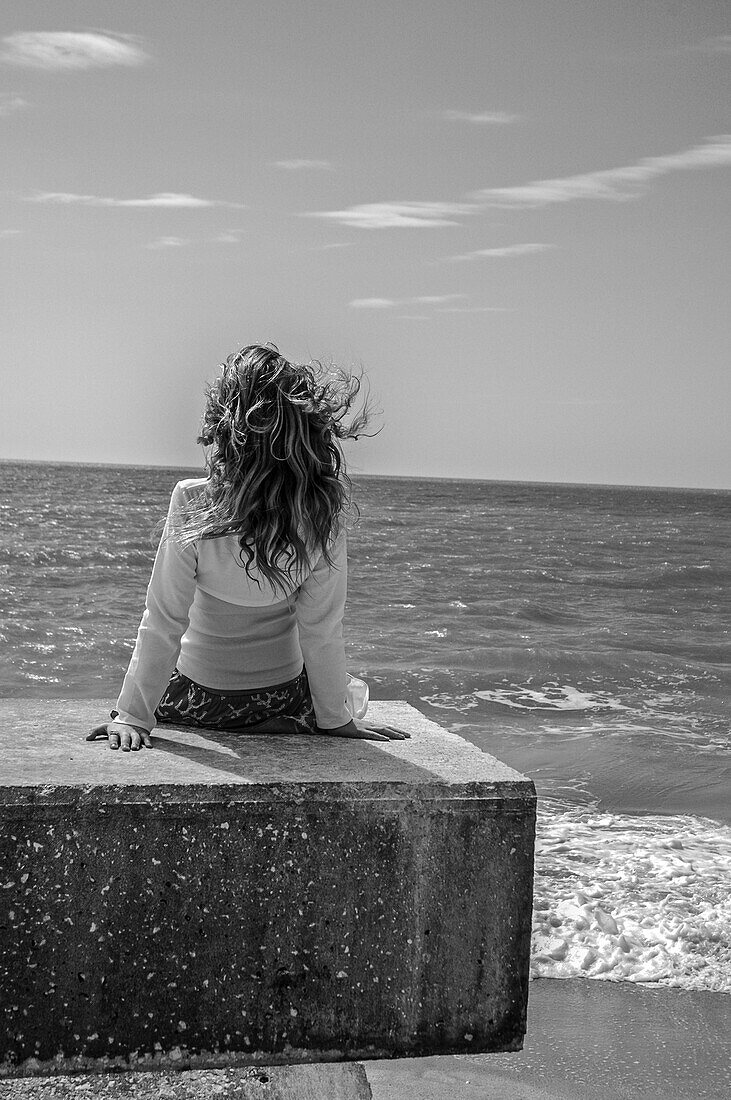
(286, 757)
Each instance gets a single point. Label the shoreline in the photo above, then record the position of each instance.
(587, 1038)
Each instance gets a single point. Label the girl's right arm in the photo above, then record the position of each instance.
(320, 608)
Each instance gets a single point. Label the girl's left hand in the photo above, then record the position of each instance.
(121, 736)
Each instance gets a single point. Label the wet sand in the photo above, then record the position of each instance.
(587, 1040)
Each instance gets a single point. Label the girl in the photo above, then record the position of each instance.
(242, 628)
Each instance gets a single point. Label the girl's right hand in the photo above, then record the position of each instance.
(366, 732)
(121, 736)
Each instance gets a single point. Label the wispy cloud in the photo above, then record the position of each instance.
(614, 184)
(500, 253)
(58, 51)
(10, 102)
(165, 199)
(168, 242)
(482, 118)
(299, 165)
(476, 309)
(372, 303)
(394, 215)
(229, 236)
(4, 233)
(720, 44)
(331, 245)
(389, 303)
(717, 44)
(435, 299)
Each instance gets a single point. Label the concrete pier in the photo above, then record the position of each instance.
(321, 1081)
(231, 900)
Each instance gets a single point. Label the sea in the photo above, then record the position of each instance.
(579, 633)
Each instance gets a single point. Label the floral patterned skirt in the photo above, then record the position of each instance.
(186, 703)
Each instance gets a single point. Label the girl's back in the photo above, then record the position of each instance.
(244, 614)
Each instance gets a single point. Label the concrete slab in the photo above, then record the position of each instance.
(341, 1081)
(43, 748)
(230, 899)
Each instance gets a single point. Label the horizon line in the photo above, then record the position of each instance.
(388, 477)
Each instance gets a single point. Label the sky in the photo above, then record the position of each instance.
(512, 215)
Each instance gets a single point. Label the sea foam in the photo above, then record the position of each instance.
(637, 899)
(551, 696)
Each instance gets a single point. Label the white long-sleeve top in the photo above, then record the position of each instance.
(204, 614)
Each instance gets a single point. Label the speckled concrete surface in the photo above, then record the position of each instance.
(343, 1081)
(224, 900)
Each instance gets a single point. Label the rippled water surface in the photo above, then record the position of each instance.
(579, 633)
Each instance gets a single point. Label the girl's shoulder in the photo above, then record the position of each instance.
(189, 490)
(186, 500)
(190, 485)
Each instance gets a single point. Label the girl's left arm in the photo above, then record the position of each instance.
(169, 596)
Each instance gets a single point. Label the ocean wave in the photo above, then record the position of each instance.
(443, 700)
(67, 556)
(670, 575)
(635, 899)
(535, 613)
(550, 697)
(702, 573)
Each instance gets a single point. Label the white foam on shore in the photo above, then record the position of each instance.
(551, 696)
(635, 899)
(443, 700)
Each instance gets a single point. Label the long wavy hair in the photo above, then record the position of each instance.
(276, 471)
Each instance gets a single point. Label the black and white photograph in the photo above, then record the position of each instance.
(365, 550)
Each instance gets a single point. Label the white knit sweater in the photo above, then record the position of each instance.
(224, 631)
